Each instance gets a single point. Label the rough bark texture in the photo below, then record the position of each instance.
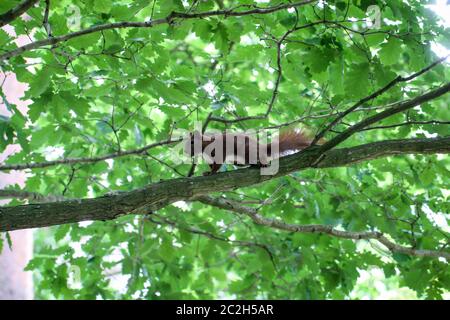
(159, 195)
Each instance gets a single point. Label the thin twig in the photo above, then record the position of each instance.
(66, 161)
(149, 24)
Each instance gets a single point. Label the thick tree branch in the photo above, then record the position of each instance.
(149, 24)
(16, 12)
(279, 224)
(348, 156)
(159, 195)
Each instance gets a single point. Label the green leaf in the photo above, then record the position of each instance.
(103, 6)
(61, 232)
(9, 241)
(40, 83)
(104, 95)
(391, 51)
(357, 80)
(374, 40)
(221, 37)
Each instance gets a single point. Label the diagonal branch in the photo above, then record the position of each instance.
(158, 195)
(399, 107)
(396, 108)
(374, 95)
(435, 122)
(150, 24)
(325, 229)
(16, 12)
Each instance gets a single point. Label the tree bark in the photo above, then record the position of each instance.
(159, 195)
(16, 12)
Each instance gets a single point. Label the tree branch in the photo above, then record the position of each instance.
(377, 93)
(159, 195)
(397, 108)
(149, 24)
(67, 161)
(349, 156)
(279, 224)
(16, 12)
(275, 91)
(33, 197)
(408, 123)
(209, 234)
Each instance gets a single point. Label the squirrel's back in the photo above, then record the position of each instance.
(246, 149)
(293, 140)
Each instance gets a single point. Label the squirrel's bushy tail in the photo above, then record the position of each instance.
(293, 140)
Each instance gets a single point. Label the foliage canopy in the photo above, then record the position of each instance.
(125, 86)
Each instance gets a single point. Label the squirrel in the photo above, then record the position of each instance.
(244, 149)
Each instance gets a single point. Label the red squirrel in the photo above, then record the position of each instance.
(244, 149)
